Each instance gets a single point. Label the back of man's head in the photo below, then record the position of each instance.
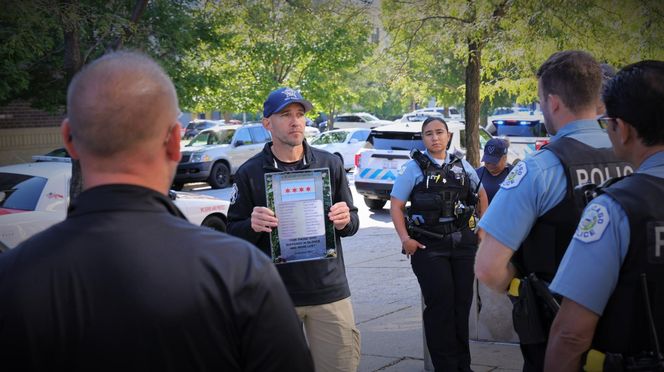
(636, 95)
(121, 102)
(573, 75)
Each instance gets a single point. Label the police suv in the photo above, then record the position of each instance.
(387, 151)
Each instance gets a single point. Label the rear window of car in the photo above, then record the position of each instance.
(396, 140)
(20, 191)
(222, 137)
(330, 137)
(352, 119)
(417, 117)
(360, 135)
(260, 134)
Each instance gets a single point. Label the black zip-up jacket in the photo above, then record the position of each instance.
(309, 282)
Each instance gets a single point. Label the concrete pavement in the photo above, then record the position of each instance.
(387, 304)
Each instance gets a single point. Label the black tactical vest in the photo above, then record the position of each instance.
(623, 327)
(443, 201)
(545, 245)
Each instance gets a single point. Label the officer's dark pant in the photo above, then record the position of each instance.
(533, 357)
(446, 279)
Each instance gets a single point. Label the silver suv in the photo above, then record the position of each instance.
(215, 154)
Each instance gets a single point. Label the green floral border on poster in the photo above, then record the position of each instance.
(323, 192)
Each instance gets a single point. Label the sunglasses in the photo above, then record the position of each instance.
(604, 121)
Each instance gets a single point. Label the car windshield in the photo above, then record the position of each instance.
(221, 137)
(417, 117)
(20, 191)
(396, 140)
(329, 137)
(347, 118)
(200, 125)
(368, 117)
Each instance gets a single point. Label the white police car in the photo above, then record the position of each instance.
(388, 149)
(35, 196)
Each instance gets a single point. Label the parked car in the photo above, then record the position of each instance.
(447, 112)
(358, 120)
(343, 143)
(388, 149)
(59, 154)
(310, 133)
(501, 113)
(420, 117)
(34, 196)
(196, 126)
(215, 154)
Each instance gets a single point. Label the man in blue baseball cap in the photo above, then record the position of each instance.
(282, 97)
(319, 288)
(495, 167)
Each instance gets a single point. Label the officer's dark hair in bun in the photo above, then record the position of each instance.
(636, 95)
(434, 118)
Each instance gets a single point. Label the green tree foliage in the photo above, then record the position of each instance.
(496, 46)
(314, 46)
(34, 49)
(455, 33)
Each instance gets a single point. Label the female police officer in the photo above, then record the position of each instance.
(442, 190)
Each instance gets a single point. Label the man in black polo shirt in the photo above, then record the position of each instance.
(125, 282)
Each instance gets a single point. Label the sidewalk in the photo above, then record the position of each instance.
(387, 304)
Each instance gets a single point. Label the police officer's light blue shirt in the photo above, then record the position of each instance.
(412, 175)
(534, 186)
(589, 271)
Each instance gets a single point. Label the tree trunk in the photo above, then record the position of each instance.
(139, 9)
(472, 108)
(330, 119)
(72, 64)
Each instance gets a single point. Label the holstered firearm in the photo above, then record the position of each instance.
(534, 309)
(644, 361)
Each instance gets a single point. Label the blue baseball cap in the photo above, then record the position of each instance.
(494, 149)
(282, 97)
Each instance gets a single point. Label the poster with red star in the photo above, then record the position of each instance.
(301, 201)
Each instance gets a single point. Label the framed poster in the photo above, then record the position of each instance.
(301, 201)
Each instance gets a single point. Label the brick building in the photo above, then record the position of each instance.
(25, 131)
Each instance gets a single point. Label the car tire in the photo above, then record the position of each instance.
(214, 223)
(375, 203)
(177, 186)
(220, 176)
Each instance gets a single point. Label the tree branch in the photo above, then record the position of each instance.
(139, 9)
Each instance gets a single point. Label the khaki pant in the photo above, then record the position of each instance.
(333, 338)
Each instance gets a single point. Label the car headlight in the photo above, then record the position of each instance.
(200, 158)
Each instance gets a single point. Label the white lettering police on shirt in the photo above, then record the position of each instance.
(234, 194)
(656, 242)
(516, 175)
(593, 223)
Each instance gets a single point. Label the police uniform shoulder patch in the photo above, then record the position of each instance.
(514, 178)
(234, 194)
(592, 224)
